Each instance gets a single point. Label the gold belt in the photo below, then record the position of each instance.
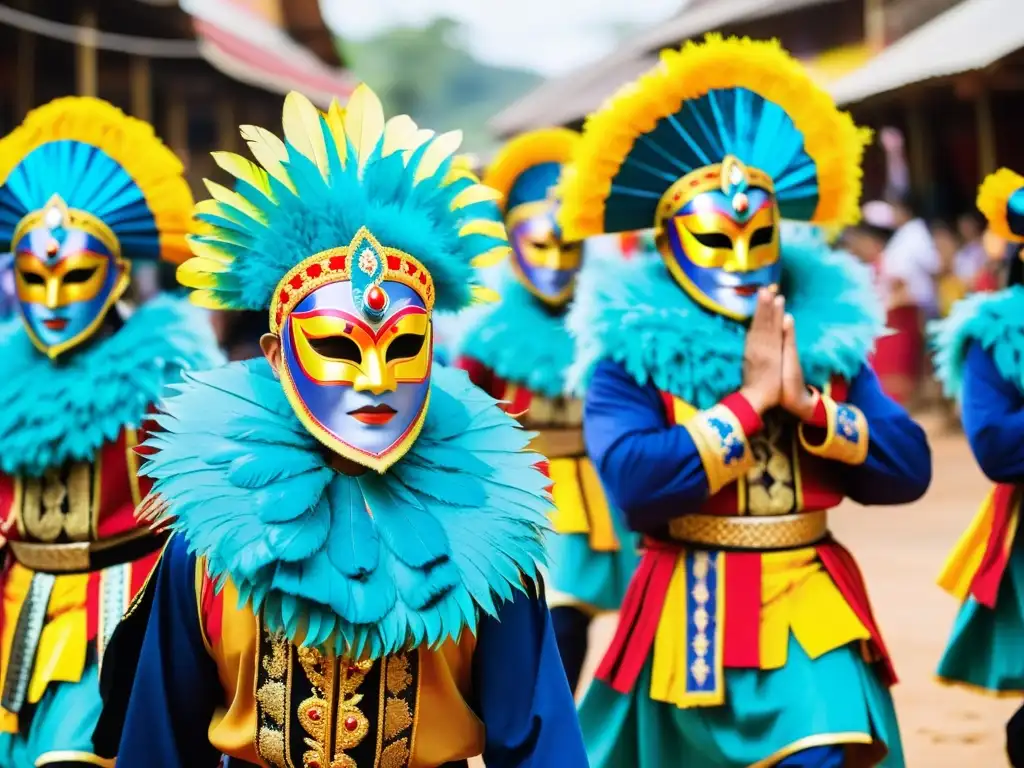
(86, 556)
(755, 532)
(558, 443)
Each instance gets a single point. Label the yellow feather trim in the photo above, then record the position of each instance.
(484, 227)
(440, 149)
(483, 295)
(231, 198)
(206, 300)
(302, 129)
(269, 152)
(245, 170)
(336, 123)
(204, 249)
(478, 193)
(399, 134)
(422, 136)
(129, 142)
(364, 122)
(832, 140)
(548, 145)
(993, 198)
(492, 257)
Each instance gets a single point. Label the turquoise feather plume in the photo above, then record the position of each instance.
(994, 320)
(635, 314)
(366, 565)
(51, 413)
(520, 340)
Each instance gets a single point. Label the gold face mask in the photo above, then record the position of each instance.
(544, 264)
(719, 236)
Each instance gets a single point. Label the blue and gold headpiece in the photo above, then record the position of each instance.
(1001, 201)
(84, 191)
(712, 147)
(350, 231)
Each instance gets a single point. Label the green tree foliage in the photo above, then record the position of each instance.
(428, 74)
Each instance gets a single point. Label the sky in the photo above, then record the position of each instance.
(550, 37)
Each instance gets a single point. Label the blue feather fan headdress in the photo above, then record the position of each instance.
(331, 176)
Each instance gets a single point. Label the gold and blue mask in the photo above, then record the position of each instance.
(544, 263)
(357, 345)
(719, 235)
(68, 274)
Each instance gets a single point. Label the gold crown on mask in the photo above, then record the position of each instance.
(730, 176)
(336, 264)
(56, 215)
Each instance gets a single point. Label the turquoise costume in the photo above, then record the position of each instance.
(338, 591)
(746, 637)
(86, 192)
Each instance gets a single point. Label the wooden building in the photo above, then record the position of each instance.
(195, 68)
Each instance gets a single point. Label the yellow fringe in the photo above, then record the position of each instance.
(129, 142)
(993, 197)
(548, 145)
(832, 140)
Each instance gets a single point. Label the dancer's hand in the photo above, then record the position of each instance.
(796, 397)
(762, 356)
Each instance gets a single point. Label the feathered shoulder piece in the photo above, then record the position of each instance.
(312, 192)
(102, 163)
(739, 98)
(1001, 201)
(361, 566)
(528, 166)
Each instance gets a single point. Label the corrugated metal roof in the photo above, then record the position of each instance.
(969, 36)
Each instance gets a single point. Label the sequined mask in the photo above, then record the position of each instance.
(356, 335)
(68, 274)
(718, 233)
(544, 264)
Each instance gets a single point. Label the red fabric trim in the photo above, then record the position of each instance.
(92, 606)
(639, 616)
(742, 649)
(820, 416)
(670, 406)
(479, 373)
(741, 408)
(985, 584)
(841, 566)
(211, 605)
(520, 403)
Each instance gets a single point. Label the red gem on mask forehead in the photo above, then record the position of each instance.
(740, 202)
(52, 247)
(376, 299)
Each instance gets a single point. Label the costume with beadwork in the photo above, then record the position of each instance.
(979, 357)
(86, 191)
(353, 578)
(518, 351)
(746, 637)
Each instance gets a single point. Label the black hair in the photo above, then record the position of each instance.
(1015, 272)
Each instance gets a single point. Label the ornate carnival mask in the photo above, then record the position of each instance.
(545, 264)
(718, 232)
(357, 345)
(68, 274)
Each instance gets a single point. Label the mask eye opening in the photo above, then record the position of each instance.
(337, 348)
(762, 236)
(32, 278)
(405, 347)
(78, 276)
(716, 240)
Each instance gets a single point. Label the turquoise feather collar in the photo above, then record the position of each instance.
(521, 342)
(994, 320)
(634, 313)
(362, 566)
(51, 413)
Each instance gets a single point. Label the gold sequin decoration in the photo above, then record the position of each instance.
(271, 699)
(395, 755)
(399, 711)
(701, 619)
(770, 485)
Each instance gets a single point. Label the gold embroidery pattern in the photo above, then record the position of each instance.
(272, 699)
(770, 486)
(323, 673)
(701, 619)
(59, 502)
(399, 711)
(846, 436)
(352, 725)
(722, 445)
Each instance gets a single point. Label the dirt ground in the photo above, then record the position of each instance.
(901, 551)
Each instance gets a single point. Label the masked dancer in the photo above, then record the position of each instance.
(728, 408)
(354, 574)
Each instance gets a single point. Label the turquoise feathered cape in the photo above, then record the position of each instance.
(363, 566)
(521, 341)
(51, 413)
(994, 320)
(633, 312)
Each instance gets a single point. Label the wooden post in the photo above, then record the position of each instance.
(986, 133)
(85, 52)
(874, 24)
(918, 146)
(25, 97)
(141, 88)
(176, 130)
(227, 126)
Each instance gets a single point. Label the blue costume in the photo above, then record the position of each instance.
(85, 193)
(353, 577)
(978, 356)
(519, 352)
(746, 637)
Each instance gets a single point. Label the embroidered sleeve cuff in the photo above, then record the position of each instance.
(842, 435)
(720, 434)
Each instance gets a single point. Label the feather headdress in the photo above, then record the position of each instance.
(330, 176)
(735, 97)
(103, 163)
(1001, 201)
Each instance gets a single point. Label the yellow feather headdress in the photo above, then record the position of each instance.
(1001, 201)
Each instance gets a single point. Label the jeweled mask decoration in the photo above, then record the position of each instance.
(68, 274)
(718, 231)
(544, 263)
(357, 345)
